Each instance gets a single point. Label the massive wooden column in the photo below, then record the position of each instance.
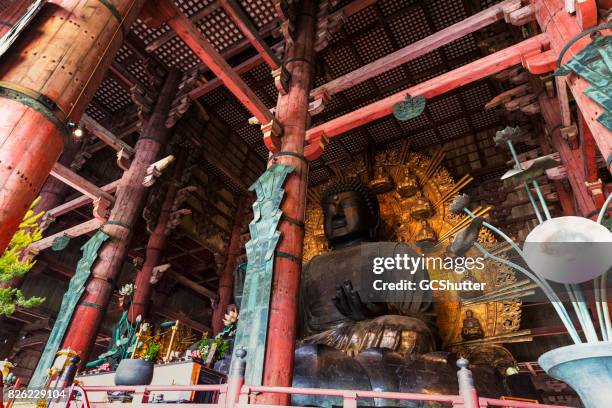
(292, 113)
(47, 77)
(129, 201)
(226, 278)
(157, 243)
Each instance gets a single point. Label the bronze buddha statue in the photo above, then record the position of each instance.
(350, 339)
(336, 287)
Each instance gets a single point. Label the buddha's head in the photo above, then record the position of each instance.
(351, 213)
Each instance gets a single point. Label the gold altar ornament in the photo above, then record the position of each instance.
(5, 367)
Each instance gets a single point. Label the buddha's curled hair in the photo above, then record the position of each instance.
(367, 195)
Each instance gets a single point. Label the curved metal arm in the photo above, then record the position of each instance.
(552, 297)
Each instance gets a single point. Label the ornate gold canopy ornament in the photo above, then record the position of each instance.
(414, 193)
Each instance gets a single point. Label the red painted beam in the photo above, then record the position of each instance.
(79, 183)
(417, 49)
(213, 84)
(105, 135)
(244, 24)
(80, 201)
(207, 53)
(439, 85)
(347, 11)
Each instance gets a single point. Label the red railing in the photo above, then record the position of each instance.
(235, 394)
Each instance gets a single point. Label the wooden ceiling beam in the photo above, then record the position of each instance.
(105, 135)
(439, 85)
(164, 38)
(80, 201)
(79, 183)
(194, 286)
(216, 82)
(207, 53)
(246, 26)
(347, 11)
(72, 232)
(192, 324)
(416, 49)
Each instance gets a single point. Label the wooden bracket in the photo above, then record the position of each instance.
(124, 159)
(327, 24)
(101, 209)
(281, 79)
(315, 147)
(570, 134)
(175, 219)
(595, 187)
(557, 173)
(508, 95)
(520, 16)
(79, 160)
(509, 8)
(285, 9)
(157, 273)
(271, 135)
(319, 99)
(540, 62)
(531, 109)
(154, 171)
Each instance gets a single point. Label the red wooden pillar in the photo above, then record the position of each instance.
(129, 201)
(156, 244)
(561, 28)
(48, 76)
(572, 159)
(226, 278)
(589, 152)
(565, 198)
(292, 113)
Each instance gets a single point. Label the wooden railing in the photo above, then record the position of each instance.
(235, 394)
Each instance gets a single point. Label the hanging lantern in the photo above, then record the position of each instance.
(410, 108)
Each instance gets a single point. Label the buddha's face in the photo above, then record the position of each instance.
(347, 219)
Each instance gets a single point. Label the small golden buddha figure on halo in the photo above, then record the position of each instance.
(408, 184)
(426, 233)
(421, 207)
(382, 181)
(472, 330)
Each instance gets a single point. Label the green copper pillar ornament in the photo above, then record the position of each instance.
(594, 64)
(253, 323)
(69, 302)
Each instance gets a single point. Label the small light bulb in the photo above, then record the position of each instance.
(78, 132)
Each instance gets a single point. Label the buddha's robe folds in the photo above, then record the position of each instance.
(322, 322)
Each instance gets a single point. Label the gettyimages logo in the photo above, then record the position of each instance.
(411, 264)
